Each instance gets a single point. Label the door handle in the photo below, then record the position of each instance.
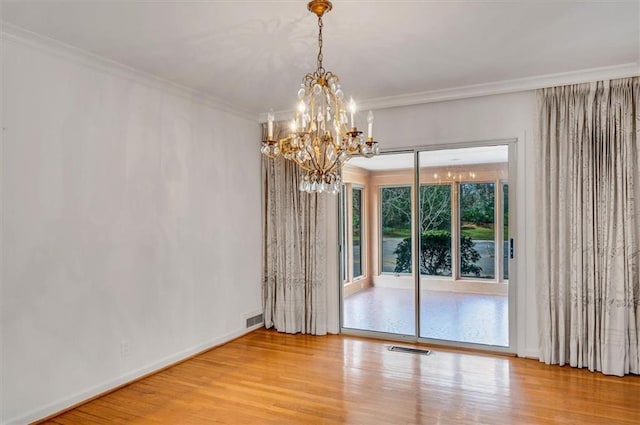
(511, 248)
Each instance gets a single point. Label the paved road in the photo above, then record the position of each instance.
(486, 249)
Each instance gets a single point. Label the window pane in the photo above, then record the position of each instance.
(357, 231)
(435, 230)
(477, 230)
(505, 243)
(395, 214)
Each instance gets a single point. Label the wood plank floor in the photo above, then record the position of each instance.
(271, 378)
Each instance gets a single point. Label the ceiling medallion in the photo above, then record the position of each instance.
(323, 133)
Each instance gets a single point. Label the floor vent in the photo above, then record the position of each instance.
(255, 320)
(409, 350)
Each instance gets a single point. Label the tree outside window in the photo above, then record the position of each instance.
(435, 229)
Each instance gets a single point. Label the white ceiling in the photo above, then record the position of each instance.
(253, 54)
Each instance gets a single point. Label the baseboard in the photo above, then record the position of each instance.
(67, 403)
(531, 353)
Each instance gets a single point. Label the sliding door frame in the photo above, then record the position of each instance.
(512, 144)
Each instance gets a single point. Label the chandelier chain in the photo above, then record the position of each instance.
(319, 64)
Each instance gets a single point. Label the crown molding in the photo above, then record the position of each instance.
(507, 86)
(489, 89)
(16, 34)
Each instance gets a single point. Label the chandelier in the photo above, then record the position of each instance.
(323, 133)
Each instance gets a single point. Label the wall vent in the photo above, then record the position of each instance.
(409, 350)
(255, 320)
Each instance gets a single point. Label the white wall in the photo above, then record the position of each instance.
(130, 213)
(507, 116)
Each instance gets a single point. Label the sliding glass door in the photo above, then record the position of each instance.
(382, 297)
(463, 290)
(434, 230)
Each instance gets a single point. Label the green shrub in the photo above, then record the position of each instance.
(435, 254)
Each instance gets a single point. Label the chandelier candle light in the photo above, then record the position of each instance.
(323, 134)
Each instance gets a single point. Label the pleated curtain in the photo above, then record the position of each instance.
(589, 226)
(294, 254)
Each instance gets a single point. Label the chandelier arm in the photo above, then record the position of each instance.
(284, 140)
(324, 157)
(313, 160)
(328, 145)
(352, 151)
(303, 165)
(333, 164)
(336, 114)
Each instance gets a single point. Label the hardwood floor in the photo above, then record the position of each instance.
(271, 378)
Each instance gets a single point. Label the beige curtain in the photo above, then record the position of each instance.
(589, 225)
(294, 285)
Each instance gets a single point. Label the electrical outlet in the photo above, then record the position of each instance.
(125, 349)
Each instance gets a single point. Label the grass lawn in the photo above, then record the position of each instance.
(391, 232)
(468, 229)
(478, 233)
